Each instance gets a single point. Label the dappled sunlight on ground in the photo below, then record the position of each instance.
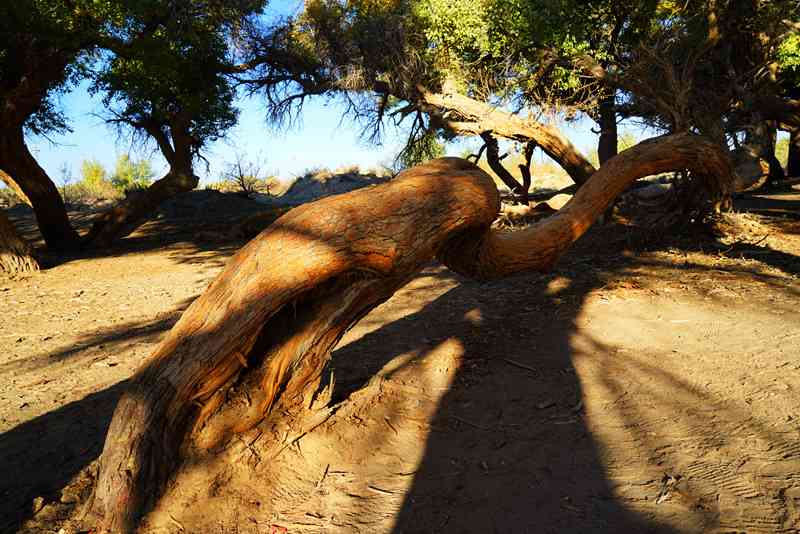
(642, 386)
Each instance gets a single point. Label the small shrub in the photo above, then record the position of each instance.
(8, 198)
(131, 175)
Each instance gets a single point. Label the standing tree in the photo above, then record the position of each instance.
(161, 66)
(43, 45)
(169, 87)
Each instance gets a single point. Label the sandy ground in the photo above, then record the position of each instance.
(643, 386)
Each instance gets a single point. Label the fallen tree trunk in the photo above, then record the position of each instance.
(252, 348)
(16, 255)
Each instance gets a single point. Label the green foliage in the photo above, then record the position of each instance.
(420, 150)
(626, 141)
(454, 27)
(788, 57)
(93, 173)
(129, 175)
(45, 47)
(96, 183)
(167, 75)
(782, 151)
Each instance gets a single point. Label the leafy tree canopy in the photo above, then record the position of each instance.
(45, 47)
(167, 75)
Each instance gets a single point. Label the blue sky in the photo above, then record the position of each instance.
(319, 139)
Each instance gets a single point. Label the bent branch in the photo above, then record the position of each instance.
(129, 214)
(465, 115)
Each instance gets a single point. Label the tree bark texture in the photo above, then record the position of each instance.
(26, 174)
(16, 255)
(253, 347)
(465, 115)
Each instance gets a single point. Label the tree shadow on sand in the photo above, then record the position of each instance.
(509, 449)
(39, 457)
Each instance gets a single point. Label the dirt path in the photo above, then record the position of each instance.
(637, 388)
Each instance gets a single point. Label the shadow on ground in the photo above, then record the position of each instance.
(39, 457)
(198, 239)
(780, 203)
(509, 449)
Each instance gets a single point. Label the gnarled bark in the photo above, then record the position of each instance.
(16, 255)
(253, 346)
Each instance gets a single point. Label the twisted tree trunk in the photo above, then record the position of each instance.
(16, 255)
(130, 213)
(252, 348)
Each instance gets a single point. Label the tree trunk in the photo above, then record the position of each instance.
(25, 172)
(495, 163)
(607, 145)
(252, 348)
(16, 255)
(761, 140)
(130, 213)
(607, 120)
(793, 166)
(465, 115)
